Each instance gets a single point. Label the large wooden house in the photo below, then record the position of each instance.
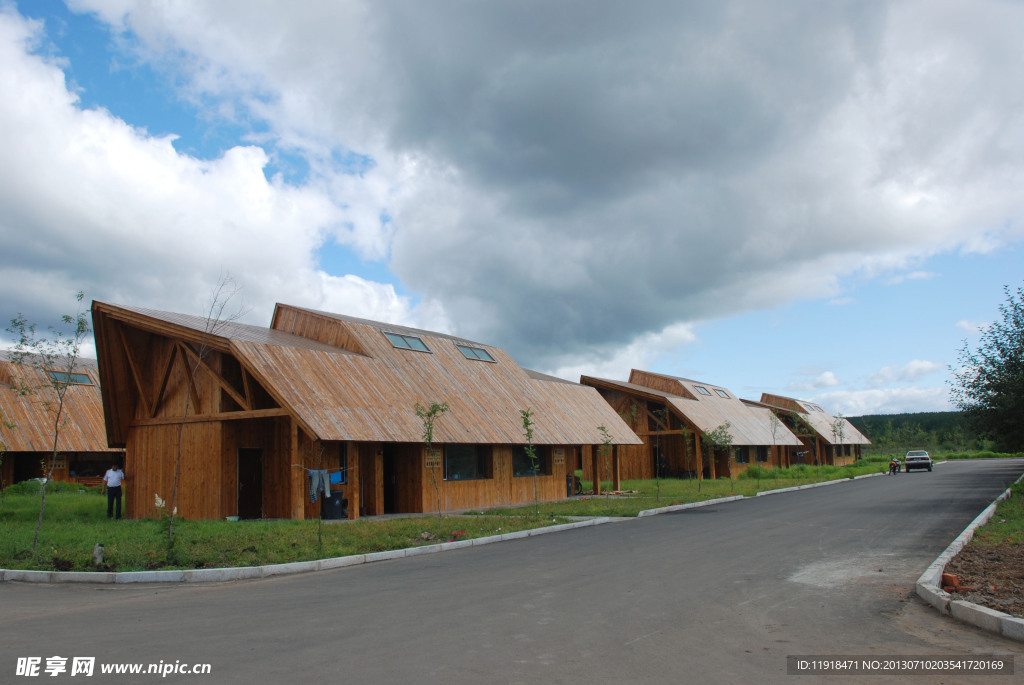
(673, 416)
(268, 410)
(826, 439)
(28, 419)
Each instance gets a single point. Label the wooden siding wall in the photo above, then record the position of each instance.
(199, 484)
(317, 327)
(502, 488)
(371, 478)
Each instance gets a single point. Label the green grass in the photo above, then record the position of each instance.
(942, 456)
(643, 494)
(1006, 527)
(74, 523)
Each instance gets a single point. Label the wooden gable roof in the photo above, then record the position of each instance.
(32, 413)
(818, 419)
(747, 425)
(343, 379)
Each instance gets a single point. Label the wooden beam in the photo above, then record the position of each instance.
(298, 473)
(189, 379)
(616, 479)
(206, 418)
(168, 367)
(235, 395)
(133, 367)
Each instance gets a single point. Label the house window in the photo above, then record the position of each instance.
(702, 390)
(475, 353)
(762, 453)
(742, 455)
(407, 342)
(522, 466)
(341, 477)
(722, 393)
(69, 378)
(466, 462)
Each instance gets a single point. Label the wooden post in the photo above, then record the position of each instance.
(595, 469)
(352, 464)
(699, 455)
(298, 488)
(616, 478)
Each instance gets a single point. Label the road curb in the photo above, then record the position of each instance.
(929, 588)
(218, 575)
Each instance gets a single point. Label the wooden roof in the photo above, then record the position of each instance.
(82, 427)
(818, 419)
(343, 379)
(748, 425)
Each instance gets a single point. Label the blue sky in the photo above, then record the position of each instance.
(817, 204)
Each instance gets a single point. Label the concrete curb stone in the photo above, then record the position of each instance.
(928, 585)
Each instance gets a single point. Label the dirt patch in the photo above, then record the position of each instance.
(996, 573)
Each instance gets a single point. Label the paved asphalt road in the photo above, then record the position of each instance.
(714, 595)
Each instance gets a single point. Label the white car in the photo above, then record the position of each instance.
(917, 459)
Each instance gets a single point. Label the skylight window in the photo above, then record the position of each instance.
(407, 342)
(702, 390)
(722, 393)
(69, 378)
(475, 353)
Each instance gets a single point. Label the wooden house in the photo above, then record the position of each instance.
(826, 439)
(673, 417)
(323, 392)
(28, 417)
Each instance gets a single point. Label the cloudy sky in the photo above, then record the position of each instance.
(821, 200)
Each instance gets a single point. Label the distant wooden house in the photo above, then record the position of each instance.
(673, 415)
(28, 417)
(323, 392)
(826, 439)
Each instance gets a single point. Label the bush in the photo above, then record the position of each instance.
(34, 487)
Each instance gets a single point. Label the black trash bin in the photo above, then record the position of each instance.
(335, 507)
(569, 489)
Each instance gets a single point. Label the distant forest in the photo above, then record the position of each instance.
(940, 431)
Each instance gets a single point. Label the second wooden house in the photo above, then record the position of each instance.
(254, 422)
(827, 439)
(677, 418)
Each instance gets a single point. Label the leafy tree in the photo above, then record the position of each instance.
(718, 440)
(838, 427)
(56, 358)
(774, 425)
(606, 451)
(531, 452)
(989, 385)
(428, 416)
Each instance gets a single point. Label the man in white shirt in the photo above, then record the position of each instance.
(112, 480)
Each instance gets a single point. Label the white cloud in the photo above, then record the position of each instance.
(826, 379)
(885, 401)
(908, 373)
(971, 327)
(91, 203)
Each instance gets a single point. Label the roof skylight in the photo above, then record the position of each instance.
(475, 353)
(406, 342)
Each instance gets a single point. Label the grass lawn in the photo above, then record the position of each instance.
(74, 522)
(1006, 527)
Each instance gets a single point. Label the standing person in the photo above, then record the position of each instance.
(112, 480)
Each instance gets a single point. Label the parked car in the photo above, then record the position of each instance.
(917, 459)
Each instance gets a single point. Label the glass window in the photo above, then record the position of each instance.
(762, 453)
(722, 393)
(522, 465)
(70, 378)
(702, 390)
(407, 342)
(466, 462)
(742, 455)
(475, 353)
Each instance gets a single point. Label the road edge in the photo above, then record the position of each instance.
(929, 585)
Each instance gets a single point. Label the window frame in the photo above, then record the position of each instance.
(702, 390)
(723, 394)
(473, 353)
(51, 373)
(484, 459)
(406, 345)
(543, 461)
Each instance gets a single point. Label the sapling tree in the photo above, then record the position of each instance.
(606, 451)
(718, 440)
(3, 451)
(428, 416)
(661, 416)
(531, 452)
(838, 427)
(774, 425)
(56, 360)
(216, 318)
